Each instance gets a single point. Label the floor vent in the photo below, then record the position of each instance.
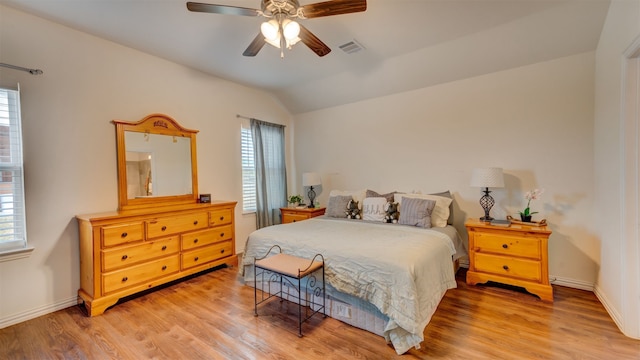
(351, 47)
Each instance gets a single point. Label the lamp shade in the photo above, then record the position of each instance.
(487, 177)
(311, 179)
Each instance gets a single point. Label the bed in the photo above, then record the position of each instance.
(384, 278)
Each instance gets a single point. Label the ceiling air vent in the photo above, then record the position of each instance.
(351, 47)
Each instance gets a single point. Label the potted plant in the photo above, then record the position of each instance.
(526, 214)
(294, 200)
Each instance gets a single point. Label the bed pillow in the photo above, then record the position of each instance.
(440, 213)
(373, 208)
(337, 206)
(447, 194)
(416, 212)
(357, 195)
(373, 194)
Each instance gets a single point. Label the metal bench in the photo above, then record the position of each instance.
(283, 268)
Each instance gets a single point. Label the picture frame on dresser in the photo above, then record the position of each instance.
(160, 236)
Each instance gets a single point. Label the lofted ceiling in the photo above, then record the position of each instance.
(407, 44)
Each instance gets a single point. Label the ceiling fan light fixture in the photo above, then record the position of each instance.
(270, 30)
(291, 29)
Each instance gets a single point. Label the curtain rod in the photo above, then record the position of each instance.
(248, 118)
(30, 71)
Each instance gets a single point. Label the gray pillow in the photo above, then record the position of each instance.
(416, 212)
(337, 206)
(389, 196)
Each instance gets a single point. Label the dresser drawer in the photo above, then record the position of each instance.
(290, 217)
(131, 255)
(507, 245)
(139, 274)
(505, 266)
(121, 234)
(207, 254)
(174, 225)
(220, 217)
(205, 237)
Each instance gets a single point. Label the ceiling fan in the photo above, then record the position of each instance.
(281, 30)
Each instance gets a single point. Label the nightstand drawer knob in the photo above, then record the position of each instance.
(505, 246)
(505, 267)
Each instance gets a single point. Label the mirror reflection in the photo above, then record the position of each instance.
(157, 165)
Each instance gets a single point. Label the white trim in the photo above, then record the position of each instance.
(571, 283)
(16, 254)
(629, 321)
(37, 312)
(615, 315)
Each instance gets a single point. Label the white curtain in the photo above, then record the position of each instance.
(271, 173)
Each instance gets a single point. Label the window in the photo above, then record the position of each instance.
(248, 171)
(13, 235)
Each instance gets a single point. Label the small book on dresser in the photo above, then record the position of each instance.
(503, 223)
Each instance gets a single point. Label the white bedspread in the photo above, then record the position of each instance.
(404, 271)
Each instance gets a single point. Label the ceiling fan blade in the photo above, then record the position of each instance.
(255, 46)
(335, 7)
(221, 9)
(312, 41)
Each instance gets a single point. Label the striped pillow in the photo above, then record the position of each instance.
(416, 212)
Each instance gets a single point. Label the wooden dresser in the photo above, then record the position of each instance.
(515, 255)
(290, 215)
(125, 252)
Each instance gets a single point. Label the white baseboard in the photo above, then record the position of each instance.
(34, 313)
(572, 283)
(610, 309)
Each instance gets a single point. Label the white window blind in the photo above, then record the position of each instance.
(248, 172)
(13, 234)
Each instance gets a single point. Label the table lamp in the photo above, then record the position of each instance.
(486, 178)
(311, 179)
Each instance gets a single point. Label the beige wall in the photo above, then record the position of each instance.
(536, 122)
(69, 142)
(614, 287)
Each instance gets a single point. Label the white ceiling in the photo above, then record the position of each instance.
(408, 44)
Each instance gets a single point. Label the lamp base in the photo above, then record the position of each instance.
(487, 202)
(312, 197)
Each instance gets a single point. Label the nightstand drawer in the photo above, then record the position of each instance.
(507, 245)
(505, 266)
(289, 218)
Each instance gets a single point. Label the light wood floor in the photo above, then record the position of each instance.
(211, 317)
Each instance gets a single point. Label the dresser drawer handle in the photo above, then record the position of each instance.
(505, 246)
(124, 257)
(195, 222)
(221, 234)
(164, 228)
(222, 251)
(164, 267)
(196, 259)
(295, 220)
(164, 248)
(125, 279)
(221, 218)
(505, 267)
(195, 241)
(124, 235)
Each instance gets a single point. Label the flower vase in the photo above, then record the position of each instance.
(525, 218)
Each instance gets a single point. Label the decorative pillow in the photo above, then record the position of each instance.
(357, 195)
(440, 213)
(416, 212)
(337, 205)
(373, 194)
(373, 208)
(447, 194)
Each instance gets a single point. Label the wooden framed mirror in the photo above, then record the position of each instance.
(157, 163)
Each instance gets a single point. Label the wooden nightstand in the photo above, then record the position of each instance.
(515, 255)
(290, 215)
